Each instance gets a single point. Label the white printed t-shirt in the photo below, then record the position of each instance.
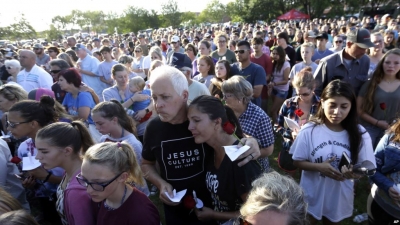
(36, 78)
(325, 196)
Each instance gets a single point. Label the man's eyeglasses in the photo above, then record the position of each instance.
(240, 51)
(338, 41)
(54, 71)
(95, 186)
(14, 125)
(50, 51)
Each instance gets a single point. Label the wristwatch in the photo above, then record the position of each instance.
(147, 110)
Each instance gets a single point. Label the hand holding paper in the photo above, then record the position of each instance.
(292, 124)
(177, 195)
(234, 152)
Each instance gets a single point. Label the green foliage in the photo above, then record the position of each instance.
(215, 12)
(21, 29)
(170, 13)
(53, 33)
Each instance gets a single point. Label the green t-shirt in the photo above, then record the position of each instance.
(229, 56)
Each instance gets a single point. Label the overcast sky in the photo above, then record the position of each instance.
(40, 13)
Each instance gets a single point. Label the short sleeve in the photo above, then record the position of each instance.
(363, 89)
(300, 147)
(85, 100)
(260, 77)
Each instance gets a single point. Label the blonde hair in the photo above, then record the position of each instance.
(304, 78)
(221, 34)
(239, 87)
(138, 82)
(8, 202)
(274, 192)
(118, 157)
(17, 217)
(13, 91)
(308, 45)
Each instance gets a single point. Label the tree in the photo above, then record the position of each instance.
(170, 14)
(215, 12)
(21, 29)
(53, 33)
(189, 19)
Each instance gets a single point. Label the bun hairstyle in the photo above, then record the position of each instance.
(118, 157)
(63, 134)
(214, 108)
(113, 109)
(304, 78)
(40, 111)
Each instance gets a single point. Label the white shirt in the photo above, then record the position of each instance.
(36, 78)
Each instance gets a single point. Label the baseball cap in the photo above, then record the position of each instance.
(322, 36)
(311, 34)
(79, 46)
(179, 60)
(37, 45)
(175, 38)
(207, 35)
(96, 39)
(362, 38)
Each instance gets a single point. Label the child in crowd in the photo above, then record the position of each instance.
(136, 86)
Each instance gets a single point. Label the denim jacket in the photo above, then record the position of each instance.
(387, 154)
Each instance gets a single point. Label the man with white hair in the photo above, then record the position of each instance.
(32, 76)
(169, 143)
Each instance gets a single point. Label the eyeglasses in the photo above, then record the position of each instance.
(138, 51)
(378, 42)
(54, 71)
(338, 41)
(240, 51)
(304, 94)
(36, 49)
(225, 96)
(95, 186)
(174, 43)
(188, 49)
(13, 125)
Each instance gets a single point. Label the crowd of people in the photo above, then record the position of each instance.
(114, 119)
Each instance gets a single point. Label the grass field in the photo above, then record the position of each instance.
(360, 202)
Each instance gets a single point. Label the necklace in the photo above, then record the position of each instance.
(109, 208)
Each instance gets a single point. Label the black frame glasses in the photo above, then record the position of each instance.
(54, 71)
(241, 51)
(14, 125)
(95, 186)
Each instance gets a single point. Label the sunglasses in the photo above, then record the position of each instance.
(138, 51)
(240, 51)
(242, 221)
(54, 71)
(338, 41)
(304, 94)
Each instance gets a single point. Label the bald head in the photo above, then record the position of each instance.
(27, 59)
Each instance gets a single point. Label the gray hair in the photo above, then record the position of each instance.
(239, 87)
(278, 193)
(13, 63)
(178, 80)
(61, 63)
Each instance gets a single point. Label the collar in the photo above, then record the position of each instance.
(340, 59)
(250, 107)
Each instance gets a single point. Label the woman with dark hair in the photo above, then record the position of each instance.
(53, 52)
(77, 103)
(67, 58)
(191, 51)
(298, 39)
(384, 200)
(72, 54)
(205, 66)
(222, 73)
(333, 132)
(61, 145)
(279, 80)
(208, 122)
(379, 98)
(116, 126)
(98, 56)
(204, 48)
(25, 118)
(283, 41)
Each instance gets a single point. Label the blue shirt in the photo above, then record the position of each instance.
(142, 104)
(254, 74)
(72, 104)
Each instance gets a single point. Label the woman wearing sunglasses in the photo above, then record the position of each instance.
(60, 145)
(305, 102)
(107, 170)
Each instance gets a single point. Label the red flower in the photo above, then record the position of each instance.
(189, 202)
(383, 106)
(229, 128)
(298, 112)
(15, 160)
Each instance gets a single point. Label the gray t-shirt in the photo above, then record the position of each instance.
(42, 61)
(391, 99)
(229, 56)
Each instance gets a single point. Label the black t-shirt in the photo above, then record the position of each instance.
(4, 73)
(227, 183)
(291, 53)
(182, 164)
(58, 92)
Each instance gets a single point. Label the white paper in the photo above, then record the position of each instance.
(199, 204)
(234, 152)
(177, 195)
(292, 124)
(5, 136)
(30, 163)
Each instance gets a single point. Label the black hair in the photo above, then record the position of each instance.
(113, 109)
(40, 111)
(243, 43)
(338, 88)
(214, 108)
(61, 134)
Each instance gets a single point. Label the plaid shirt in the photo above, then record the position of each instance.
(255, 122)
(287, 110)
